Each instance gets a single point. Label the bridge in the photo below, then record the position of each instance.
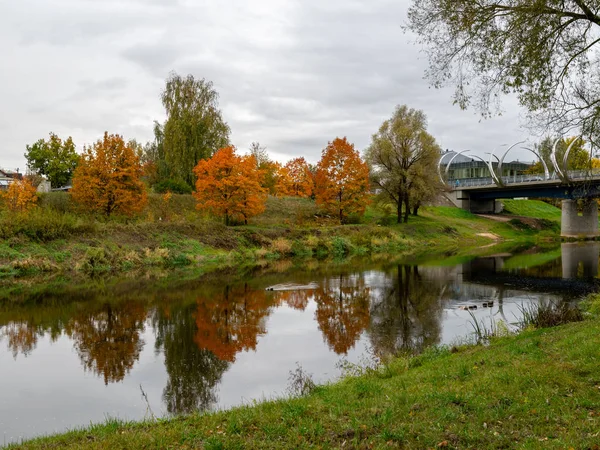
(482, 195)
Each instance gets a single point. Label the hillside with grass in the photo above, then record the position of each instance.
(531, 208)
(56, 238)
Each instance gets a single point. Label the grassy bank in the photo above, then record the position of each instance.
(539, 389)
(53, 239)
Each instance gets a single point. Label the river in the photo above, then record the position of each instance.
(153, 346)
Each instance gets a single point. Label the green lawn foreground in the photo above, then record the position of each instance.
(539, 389)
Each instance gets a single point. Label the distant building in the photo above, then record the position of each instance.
(464, 168)
(7, 177)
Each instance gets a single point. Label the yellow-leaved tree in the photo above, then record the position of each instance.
(21, 195)
(107, 179)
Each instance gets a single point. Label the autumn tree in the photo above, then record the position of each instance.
(53, 158)
(107, 179)
(296, 178)
(403, 158)
(342, 180)
(20, 196)
(194, 129)
(229, 186)
(545, 52)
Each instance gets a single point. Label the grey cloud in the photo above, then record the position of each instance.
(157, 58)
(291, 74)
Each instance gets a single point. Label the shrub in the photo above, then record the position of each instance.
(173, 186)
(282, 246)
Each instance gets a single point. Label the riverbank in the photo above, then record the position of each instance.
(538, 389)
(54, 241)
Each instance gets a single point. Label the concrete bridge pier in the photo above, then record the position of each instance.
(578, 259)
(579, 225)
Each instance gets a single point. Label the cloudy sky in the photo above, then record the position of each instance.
(291, 74)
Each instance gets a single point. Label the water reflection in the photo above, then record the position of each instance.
(342, 311)
(107, 338)
(193, 372)
(194, 335)
(230, 322)
(406, 312)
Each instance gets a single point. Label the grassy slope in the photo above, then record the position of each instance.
(55, 240)
(540, 389)
(531, 208)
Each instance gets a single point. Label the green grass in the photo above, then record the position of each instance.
(531, 208)
(537, 390)
(56, 239)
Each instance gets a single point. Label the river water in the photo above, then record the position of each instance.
(152, 346)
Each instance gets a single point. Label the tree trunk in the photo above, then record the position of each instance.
(406, 207)
(399, 205)
(416, 209)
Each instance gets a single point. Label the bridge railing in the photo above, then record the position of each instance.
(572, 174)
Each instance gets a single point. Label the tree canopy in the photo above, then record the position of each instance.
(579, 157)
(342, 180)
(21, 195)
(53, 158)
(544, 51)
(107, 179)
(229, 185)
(194, 128)
(295, 179)
(403, 158)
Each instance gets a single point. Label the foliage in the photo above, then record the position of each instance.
(295, 179)
(550, 314)
(579, 158)
(229, 185)
(543, 51)
(194, 129)
(342, 180)
(174, 186)
(54, 159)
(403, 159)
(107, 179)
(21, 195)
(269, 168)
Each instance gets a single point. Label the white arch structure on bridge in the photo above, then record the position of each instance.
(560, 167)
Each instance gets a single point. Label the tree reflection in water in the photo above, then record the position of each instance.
(21, 337)
(108, 340)
(231, 322)
(406, 312)
(193, 372)
(342, 311)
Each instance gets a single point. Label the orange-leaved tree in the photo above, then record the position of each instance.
(229, 185)
(107, 179)
(296, 179)
(283, 183)
(342, 180)
(21, 195)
